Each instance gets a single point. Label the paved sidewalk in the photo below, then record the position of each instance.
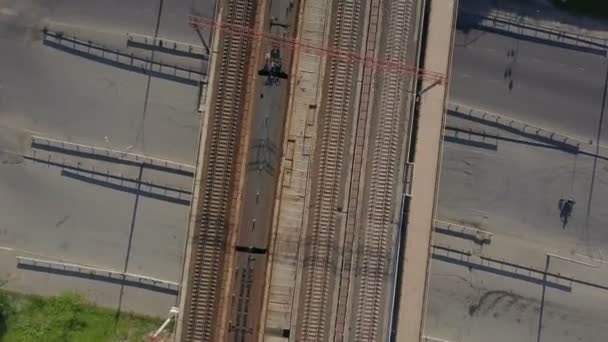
(425, 174)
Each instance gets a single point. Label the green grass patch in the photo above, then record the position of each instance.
(67, 318)
(591, 8)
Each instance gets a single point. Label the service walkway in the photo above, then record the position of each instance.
(425, 178)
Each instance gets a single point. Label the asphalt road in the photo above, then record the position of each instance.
(56, 93)
(511, 187)
(553, 87)
(509, 184)
(261, 178)
(477, 306)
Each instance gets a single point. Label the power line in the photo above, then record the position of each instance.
(392, 63)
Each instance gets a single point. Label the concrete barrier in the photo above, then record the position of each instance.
(458, 230)
(507, 122)
(520, 26)
(107, 154)
(167, 46)
(97, 272)
(121, 59)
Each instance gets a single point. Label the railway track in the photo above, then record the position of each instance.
(320, 265)
(209, 245)
(357, 171)
(385, 153)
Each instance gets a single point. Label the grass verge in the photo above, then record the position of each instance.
(67, 318)
(592, 8)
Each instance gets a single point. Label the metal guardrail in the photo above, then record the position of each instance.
(407, 178)
(517, 124)
(168, 45)
(398, 251)
(517, 24)
(114, 154)
(458, 228)
(100, 272)
(129, 61)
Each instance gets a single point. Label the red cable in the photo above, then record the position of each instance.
(390, 62)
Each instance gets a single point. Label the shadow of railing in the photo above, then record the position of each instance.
(162, 192)
(505, 273)
(469, 142)
(98, 276)
(121, 60)
(90, 178)
(509, 269)
(557, 276)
